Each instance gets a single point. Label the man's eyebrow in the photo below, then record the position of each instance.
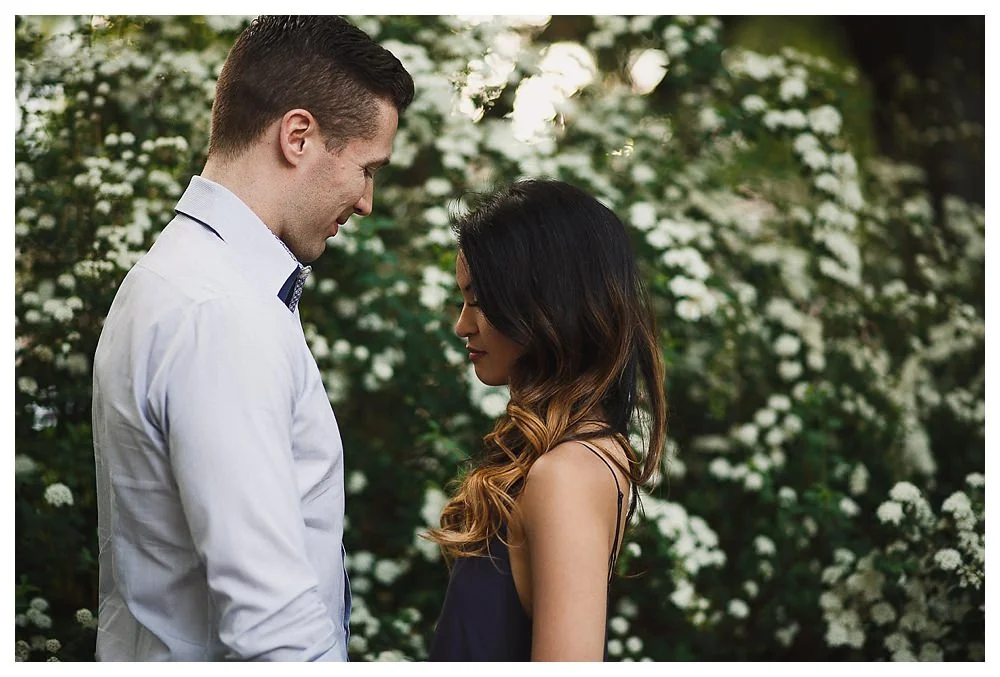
(378, 164)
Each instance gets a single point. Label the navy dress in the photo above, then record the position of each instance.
(482, 618)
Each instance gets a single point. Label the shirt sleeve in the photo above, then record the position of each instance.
(227, 389)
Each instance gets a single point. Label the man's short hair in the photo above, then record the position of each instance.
(323, 64)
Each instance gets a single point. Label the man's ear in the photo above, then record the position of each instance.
(296, 131)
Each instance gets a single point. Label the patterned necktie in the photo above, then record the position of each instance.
(300, 280)
(291, 291)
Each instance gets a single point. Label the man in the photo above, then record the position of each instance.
(219, 460)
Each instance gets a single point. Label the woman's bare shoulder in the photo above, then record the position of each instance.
(574, 467)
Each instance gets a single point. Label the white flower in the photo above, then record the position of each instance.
(931, 652)
(957, 503)
(381, 368)
(27, 385)
(494, 404)
(883, 613)
(747, 434)
(805, 143)
(792, 88)
(836, 634)
(390, 656)
(688, 310)
(39, 604)
(849, 507)
(690, 260)
(676, 48)
(737, 608)
(777, 457)
(786, 635)
(615, 647)
(858, 481)
(758, 66)
(720, 468)
(775, 437)
(52, 645)
(825, 120)
(815, 360)
(753, 481)
(362, 561)
(618, 625)
(890, 511)
(23, 464)
(437, 186)
(904, 492)
(844, 164)
(633, 644)
(779, 402)
(356, 482)
(754, 104)
(765, 418)
(795, 119)
(684, 595)
(774, 119)
(642, 215)
(787, 345)
(815, 159)
(789, 370)
(827, 183)
(643, 173)
(764, 546)
(58, 494)
(897, 641)
(948, 559)
(709, 120)
(766, 569)
(787, 495)
(39, 618)
(432, 297)
(704, 34)
(975, 480)
(851, 195)
(792, 424)
(387, 571)
(436, 216)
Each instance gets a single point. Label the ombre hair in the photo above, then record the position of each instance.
(553, 270)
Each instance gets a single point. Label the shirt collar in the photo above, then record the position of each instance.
(263, 256)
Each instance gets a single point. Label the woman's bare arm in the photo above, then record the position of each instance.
(568, 510)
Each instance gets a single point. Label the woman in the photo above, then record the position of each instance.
(552, 307)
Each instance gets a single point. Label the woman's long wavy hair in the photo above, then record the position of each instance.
(553, 270)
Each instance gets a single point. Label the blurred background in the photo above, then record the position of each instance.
(805, 196)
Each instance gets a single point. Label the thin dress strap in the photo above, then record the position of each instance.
(618, 513)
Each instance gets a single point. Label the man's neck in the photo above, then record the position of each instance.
(248, 184)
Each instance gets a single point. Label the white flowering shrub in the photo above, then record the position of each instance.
(920, 595)
(822, 318)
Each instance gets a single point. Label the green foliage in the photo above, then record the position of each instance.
(822, 323)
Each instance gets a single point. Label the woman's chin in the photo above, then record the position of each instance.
(488, 379)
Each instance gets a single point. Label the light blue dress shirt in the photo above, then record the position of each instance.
(220, 477)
